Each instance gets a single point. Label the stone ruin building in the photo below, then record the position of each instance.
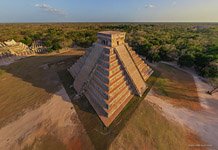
(11, 51)
(13, 47)
(109, 75)
(37, 45)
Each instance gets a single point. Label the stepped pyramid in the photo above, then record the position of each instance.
(109, 75)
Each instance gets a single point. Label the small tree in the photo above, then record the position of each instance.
(202, 63)
(186, 60)
(27, 40)
(214, 83)
(56, 46)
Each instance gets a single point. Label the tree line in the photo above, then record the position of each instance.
(191, 45)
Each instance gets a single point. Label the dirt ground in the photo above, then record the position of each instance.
(57, 118)
(51, 119)
(177, 87)
(28, 83)
(203, 122)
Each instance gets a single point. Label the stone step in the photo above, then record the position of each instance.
(103, 70)
(114, 71)
(109, 72)
(87, 69)
(119, 104)
(117, 86)
(115, 78)
(99, 110)
(104, 64)
(101, 76)
(98, 81)
(131, 69)
(119, 109)
(141, 66)
(148, 74)
(119, 99)
(138, 61)
(99, 89)
(107, 57)
(120, 89)
(98, 98)
(116, 83)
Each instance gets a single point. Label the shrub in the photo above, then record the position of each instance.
(186, 60)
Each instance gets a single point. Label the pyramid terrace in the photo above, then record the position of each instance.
(109, 75)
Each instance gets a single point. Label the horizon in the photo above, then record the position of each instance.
(75, 11)
(109, 22)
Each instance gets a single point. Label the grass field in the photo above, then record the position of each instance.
(30, 82)
(177, 87)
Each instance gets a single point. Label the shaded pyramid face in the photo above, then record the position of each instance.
(109, 77)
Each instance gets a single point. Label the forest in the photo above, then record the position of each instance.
(191, 45)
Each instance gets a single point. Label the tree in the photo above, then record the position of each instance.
(186, 60)
(201, 62)
(47, 43)
(214, 83)
(27, 40)
(56, 46)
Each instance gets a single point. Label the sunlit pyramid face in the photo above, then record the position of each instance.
(109, 75)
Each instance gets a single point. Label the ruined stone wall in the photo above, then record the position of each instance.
(7, 57)
(10, 43)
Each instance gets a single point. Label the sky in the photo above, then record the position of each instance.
(108, 11)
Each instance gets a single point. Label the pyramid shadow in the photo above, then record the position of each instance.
(40, 71)
(50, 73)
(101, 136)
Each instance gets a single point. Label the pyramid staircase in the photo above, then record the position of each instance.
(145, 70)
(109, 77)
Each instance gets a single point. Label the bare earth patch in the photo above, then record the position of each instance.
(203, 122)
(177, 87)
(27, 84)
(52, 120)
(56, 118)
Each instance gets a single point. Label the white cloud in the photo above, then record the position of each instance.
(50, 9)
(149, 6)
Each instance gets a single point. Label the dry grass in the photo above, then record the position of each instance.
(139, 126)
(47, 142)
(148, 129)
(1, 72)
(177, 87)
(26, 84)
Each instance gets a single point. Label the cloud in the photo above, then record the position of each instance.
(149, 6)
(50, 9)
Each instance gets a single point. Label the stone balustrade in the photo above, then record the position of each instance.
(110, 75)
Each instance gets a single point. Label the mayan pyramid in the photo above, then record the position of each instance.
(109, 75)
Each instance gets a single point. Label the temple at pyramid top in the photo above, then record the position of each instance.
(111, 38)
(109, 75)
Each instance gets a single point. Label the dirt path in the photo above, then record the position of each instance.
(205, 122)
(209, 102)
(9, 60)
(57, 117)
